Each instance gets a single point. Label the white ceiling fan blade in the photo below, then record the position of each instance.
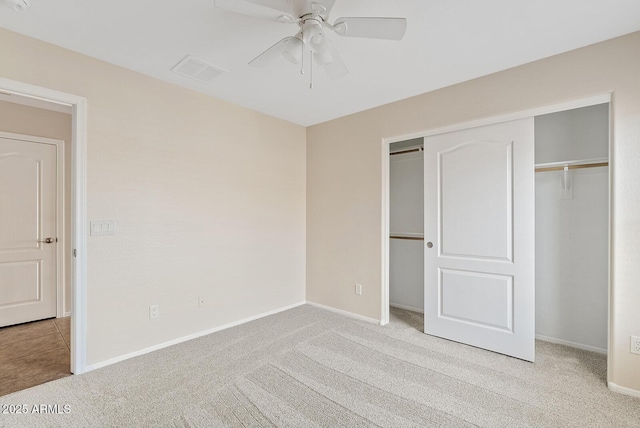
(336, 68)
(372, 28)
(271, 10)
(268, 56)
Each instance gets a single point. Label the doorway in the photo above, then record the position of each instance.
(538, 114)
(78, 223)
(34, 251)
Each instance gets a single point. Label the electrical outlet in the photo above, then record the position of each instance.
(154, 312)
(201, 302)
(359, 289)
(635, 345)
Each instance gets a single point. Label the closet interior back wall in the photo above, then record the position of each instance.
(406, 248)
(572, 228)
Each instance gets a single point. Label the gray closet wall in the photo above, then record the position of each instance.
(406, 256)
(572, 236)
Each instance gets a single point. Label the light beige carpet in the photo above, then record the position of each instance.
(309, 367)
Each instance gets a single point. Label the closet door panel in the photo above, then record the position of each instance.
(479, 237)
(475, 196)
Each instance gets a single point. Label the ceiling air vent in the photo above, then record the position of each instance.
(198, 70)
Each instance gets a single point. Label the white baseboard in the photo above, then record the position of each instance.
(571, 344)
(188, 337)
(345, 313)
(408, 308)
(622, 390)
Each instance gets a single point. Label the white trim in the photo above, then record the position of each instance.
(385, 231)
(37, 103)
(610, 246)
(622, 390)
(345, 313)
(190, 337)
(79, 208)
(79, 237)
(407, 308)
(571, 344)
(30, 138)
(61, 235)
(553, 108)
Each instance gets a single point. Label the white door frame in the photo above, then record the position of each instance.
(78, 274)
(60, 212)
(385, 229)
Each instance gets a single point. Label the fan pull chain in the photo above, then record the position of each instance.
(302, 56)
(311, 71)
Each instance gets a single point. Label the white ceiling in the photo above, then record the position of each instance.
(447, 41)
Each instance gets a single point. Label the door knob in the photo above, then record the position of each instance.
(49, 240)
(429, 244)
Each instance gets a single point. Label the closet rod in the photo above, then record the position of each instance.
(410, 238)
(401, 152)
(583, 165)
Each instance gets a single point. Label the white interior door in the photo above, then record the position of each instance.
(28, 186)
(479, 237)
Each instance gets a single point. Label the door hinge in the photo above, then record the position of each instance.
(74, 252)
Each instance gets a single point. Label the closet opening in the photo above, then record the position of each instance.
(406, 225)
(572, 227)
(571, 209)
(78, 219)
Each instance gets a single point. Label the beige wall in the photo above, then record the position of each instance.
(21, 119)
(344, 182)
(209, 200)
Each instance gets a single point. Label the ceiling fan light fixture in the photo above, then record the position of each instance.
(324, 57)
(293, 52)
(317, 43)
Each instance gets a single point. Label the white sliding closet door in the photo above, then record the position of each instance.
(479, 237)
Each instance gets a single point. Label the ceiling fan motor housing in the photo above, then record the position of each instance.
(313, 35)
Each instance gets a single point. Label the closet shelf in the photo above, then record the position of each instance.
(407, 236)
(412, 150)
(575, 164)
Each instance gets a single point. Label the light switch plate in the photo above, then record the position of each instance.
(103, 227)
(635, 345)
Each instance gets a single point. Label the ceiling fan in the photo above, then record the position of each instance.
(312, 16)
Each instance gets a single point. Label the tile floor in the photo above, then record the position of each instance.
(34, 353)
